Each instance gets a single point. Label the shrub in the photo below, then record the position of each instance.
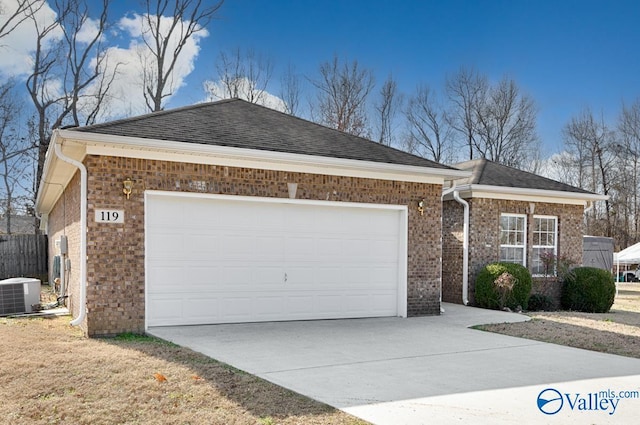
(540, 302)
(501, 285)
(589, 290)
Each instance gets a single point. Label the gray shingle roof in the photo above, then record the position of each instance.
(240, 124)
(485, 172)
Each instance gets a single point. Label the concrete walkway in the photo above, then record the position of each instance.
(426, 370)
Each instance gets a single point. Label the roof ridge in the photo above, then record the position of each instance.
(155, 114)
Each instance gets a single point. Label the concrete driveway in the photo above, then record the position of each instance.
(427, 370)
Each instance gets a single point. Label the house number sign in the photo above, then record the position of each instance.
(109, 216)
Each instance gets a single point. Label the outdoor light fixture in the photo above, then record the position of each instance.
(127, 186)
(292, 188)
(421, 207)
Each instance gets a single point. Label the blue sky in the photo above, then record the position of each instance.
(567, 55)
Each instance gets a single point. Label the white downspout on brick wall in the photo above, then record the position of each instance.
(465, 247)
(83, 230)
(465, 244)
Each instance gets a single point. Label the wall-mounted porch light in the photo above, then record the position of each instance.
(127, 186)
(421, 207)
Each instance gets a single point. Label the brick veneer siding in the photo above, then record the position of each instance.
(64, 219)
(115, 269)
(452, 252)
(484, 242)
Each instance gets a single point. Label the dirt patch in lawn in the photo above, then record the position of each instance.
(616, 332)
(51, 374)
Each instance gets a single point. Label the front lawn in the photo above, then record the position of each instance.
(51, 374)
(616, 332)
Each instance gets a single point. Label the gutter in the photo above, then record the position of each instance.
(83, 228)
(465, 247)
(465, 244)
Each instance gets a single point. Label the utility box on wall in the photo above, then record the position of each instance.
(597, 252)
(18, 294)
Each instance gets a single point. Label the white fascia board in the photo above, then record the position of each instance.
(56, 173)
(102, 144)
(528, 195)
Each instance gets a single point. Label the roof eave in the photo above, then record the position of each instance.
(106, 144)
(255, 154)
(472, 190)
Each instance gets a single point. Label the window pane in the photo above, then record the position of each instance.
(512, 255)
(538, 266)
(544, 242)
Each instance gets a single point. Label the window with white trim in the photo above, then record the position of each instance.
(545, 244)
(513, 238)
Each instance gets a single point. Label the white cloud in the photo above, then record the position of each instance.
(215, 91)
(88, 31)
(133, 60)
(16, 47)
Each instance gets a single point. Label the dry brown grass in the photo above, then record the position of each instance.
(616, 332)
(51, 374)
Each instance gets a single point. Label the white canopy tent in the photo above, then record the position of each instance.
(629, 255)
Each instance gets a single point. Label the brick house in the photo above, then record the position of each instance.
(512, 216)
(231, 212)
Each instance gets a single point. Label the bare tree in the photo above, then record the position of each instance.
(494, 122)
(592, 143)
(167, 26)
(467, 90)
(46, 61)
(628, 153)
(290, 90)
(241, 75)
(12, 19)
(85, 66)
(389, 102)
(506, 125)
(14, 153)
(342, 92)
(429, 132)
(68, 83)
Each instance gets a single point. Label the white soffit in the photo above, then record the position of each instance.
(528, 195)
(100, 144)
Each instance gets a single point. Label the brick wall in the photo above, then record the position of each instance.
(484, 243)
(115, 271)
(64, 219)
(452, 226)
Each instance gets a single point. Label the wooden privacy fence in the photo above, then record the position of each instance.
(23, 255)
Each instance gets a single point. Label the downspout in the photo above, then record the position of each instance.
(589, 208)
(83, 231)
(444, 193)
(465, 248)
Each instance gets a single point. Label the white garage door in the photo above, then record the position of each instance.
(217, 259)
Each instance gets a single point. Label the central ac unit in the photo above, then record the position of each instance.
(18, 294)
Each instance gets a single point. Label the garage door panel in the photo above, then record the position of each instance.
(227, 261)
(162, 276)
(268, 248)
(268, 307)
(167, 244)
(166, 310)
(237, 308)
(202, 246)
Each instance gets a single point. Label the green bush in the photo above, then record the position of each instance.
(540, 302)
(490, 295)
(589, 290)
